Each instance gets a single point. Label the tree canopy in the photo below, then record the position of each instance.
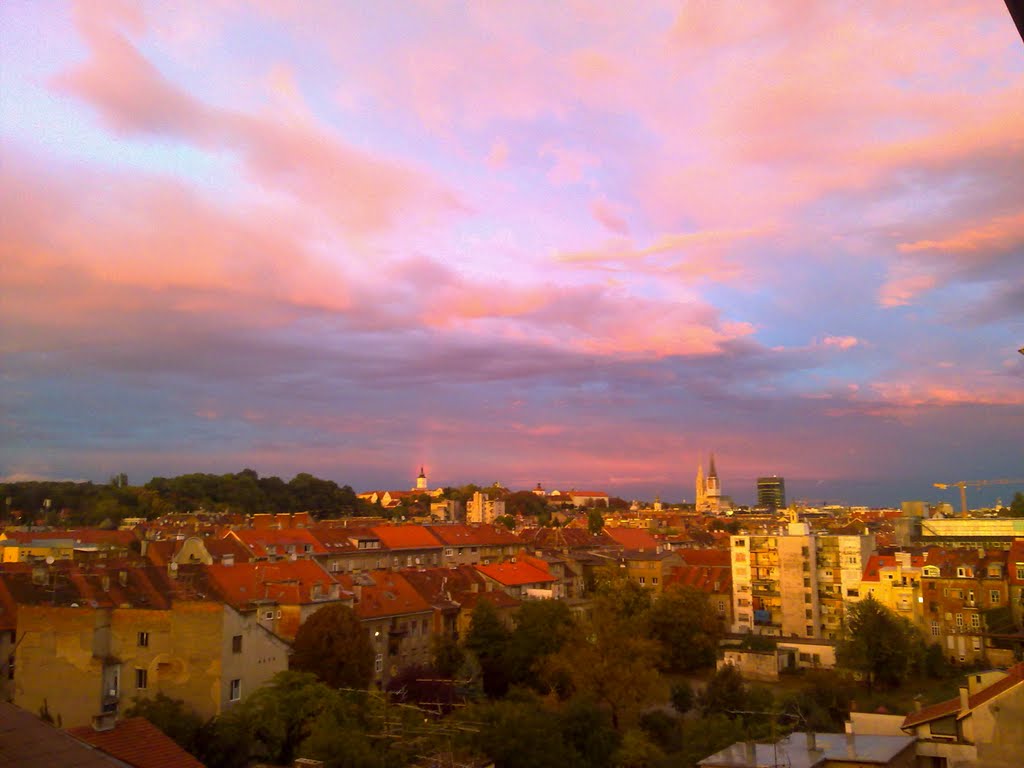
(879, 644)
(333, 645)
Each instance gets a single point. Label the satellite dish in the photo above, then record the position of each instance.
(49, 559)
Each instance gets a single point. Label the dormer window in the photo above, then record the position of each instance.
(961, 572)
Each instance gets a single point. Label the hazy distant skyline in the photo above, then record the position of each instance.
(582, 244)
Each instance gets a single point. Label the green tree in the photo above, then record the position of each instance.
(542, 628)
(687, 627)
(447, 655)
(877, 643)
(517, 733)
(1017, 505)
(682, 697)
(608, 660)
(278, 717)
(172, 716)
(333, 645)
(487, 639)
(595, 521)
(725, 693)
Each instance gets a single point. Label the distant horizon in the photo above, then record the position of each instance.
(845, 492)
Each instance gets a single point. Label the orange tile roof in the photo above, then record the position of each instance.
(515, 574)
(458, 535)
(137, 742)
(258, 541)
(711, 579)
(632, 538)
(406, 537)
(381, 594)
(288, 582)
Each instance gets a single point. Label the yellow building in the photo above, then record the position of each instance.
(90, 642)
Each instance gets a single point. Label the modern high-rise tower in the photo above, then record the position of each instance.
(771, 492)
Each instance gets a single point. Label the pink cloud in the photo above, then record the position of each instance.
(841, 342)
(904, 284)
(609, 215)
(362, 192)
(996, 234)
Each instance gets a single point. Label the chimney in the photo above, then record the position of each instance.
(965, 698)
(812, 741)
(851, 739)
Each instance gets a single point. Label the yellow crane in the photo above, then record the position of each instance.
(963, 484)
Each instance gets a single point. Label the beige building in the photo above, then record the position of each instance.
(481, 509)
(981, 727)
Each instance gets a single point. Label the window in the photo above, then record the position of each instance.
(449, 552)
(143, 639)
(378, 663)
(810, 631)
(853, 592)
(721, 606)
(236, 644)
(975, 621)
(641, 578)
(961, 572)
(808, 614)
(807, 598)
(741, 542)
(935, 629)
(807, 583)
(994, 596)
(654, 579)
(1020, 571)
(141, 679)
(236, 690)
(268, 615)
(960, 620)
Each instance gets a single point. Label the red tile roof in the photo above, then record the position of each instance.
(458, 535)
(288, 582)
(396, 537)
(713, 580)
(632, 538)
(284, 541)
(714, 558)
(515, 574)
(139, 743)
(380, 594)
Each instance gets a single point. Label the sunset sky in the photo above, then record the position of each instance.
(581, 244)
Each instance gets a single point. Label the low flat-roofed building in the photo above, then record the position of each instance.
(810, 750)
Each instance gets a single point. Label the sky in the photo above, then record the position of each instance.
(582, 244)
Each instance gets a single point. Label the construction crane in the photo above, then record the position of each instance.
(963, 484)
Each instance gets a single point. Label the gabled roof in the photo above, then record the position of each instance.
(458, 535)
(258, 541)
(28, 742)
(110, 585)
(397, 537)
(138, 743)
(515, 574)
(561, 538)
(1014, 677)
(712, 558)
(381, 594)
(287, 582)
(632, 538)
(710, 579)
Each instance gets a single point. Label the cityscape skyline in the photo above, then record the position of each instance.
(499, 243)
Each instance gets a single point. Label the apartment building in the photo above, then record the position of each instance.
(795, 583)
